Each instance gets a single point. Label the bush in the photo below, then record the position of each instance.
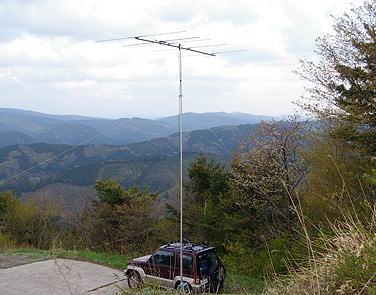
(6, 241)
(35, 223)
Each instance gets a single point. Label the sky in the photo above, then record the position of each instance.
(50, 62)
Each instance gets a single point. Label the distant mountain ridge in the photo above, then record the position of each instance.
(26, 127)
(195, 121)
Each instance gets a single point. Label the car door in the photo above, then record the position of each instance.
(161, 268)
(188, 265)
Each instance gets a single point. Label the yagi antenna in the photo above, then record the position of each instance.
(201, 46)
(231, 51)
(166, 43)
(172, 43)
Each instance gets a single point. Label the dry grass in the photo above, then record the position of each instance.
(343, 262)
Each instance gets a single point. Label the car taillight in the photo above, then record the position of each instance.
(197, 279)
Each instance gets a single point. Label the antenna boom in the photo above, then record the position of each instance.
(173, 45)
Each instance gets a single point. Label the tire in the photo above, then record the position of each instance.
(134, 280)
(217, 274)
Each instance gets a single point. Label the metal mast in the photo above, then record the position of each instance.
(167, 43)
(181, 163)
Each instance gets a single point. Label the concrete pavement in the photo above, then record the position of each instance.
(60, 277)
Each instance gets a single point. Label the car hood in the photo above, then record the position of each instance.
(141, 259)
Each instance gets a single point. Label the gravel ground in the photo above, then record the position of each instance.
(15, 259)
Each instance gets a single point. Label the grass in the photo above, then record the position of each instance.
(28, 252)
(113, 260)
(343, 262)
(242, 284)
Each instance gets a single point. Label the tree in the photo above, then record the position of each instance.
(344, 79)
(334, 186)
(119, 220)
(7, 201)
(206, 178)
(342, 97)
(207, 184)
(267, 169)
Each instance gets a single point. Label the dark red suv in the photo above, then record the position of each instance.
(202, 269)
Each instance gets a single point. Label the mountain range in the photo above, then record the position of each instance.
(26, 127)
(64, 155)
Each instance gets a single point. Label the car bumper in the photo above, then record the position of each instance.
(202, 288)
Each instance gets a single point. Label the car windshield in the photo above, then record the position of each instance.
(207, 259)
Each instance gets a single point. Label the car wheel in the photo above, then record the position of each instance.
(217, 274)
(134, 280)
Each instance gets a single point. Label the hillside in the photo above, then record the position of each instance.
(69, 172)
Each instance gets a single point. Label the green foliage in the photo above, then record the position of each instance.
(274, 256)
(334, 182)
(6, 241)
(371, 178)
(207, 178)
(239, 284)
(355, 269)
(119, 221)
(111, 193)
(7, 202)
(35, 223)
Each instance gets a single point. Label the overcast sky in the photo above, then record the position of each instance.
(50, 63)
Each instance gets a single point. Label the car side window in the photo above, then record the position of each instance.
(207, 259)
(187, 261)
(163, 257)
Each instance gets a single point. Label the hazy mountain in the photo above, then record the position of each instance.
(195, 121)
(33, 127)
(72, 134)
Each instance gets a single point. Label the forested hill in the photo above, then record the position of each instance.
(29, 168)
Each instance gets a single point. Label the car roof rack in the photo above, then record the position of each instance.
(188, 246)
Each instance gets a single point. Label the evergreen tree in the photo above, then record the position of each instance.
(204, 190)
(119, 220)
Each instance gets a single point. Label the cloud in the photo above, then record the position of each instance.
(49, 62)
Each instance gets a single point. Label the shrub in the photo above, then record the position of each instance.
(6, 241)
(35, 223)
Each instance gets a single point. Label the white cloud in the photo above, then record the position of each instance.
(49, 62)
